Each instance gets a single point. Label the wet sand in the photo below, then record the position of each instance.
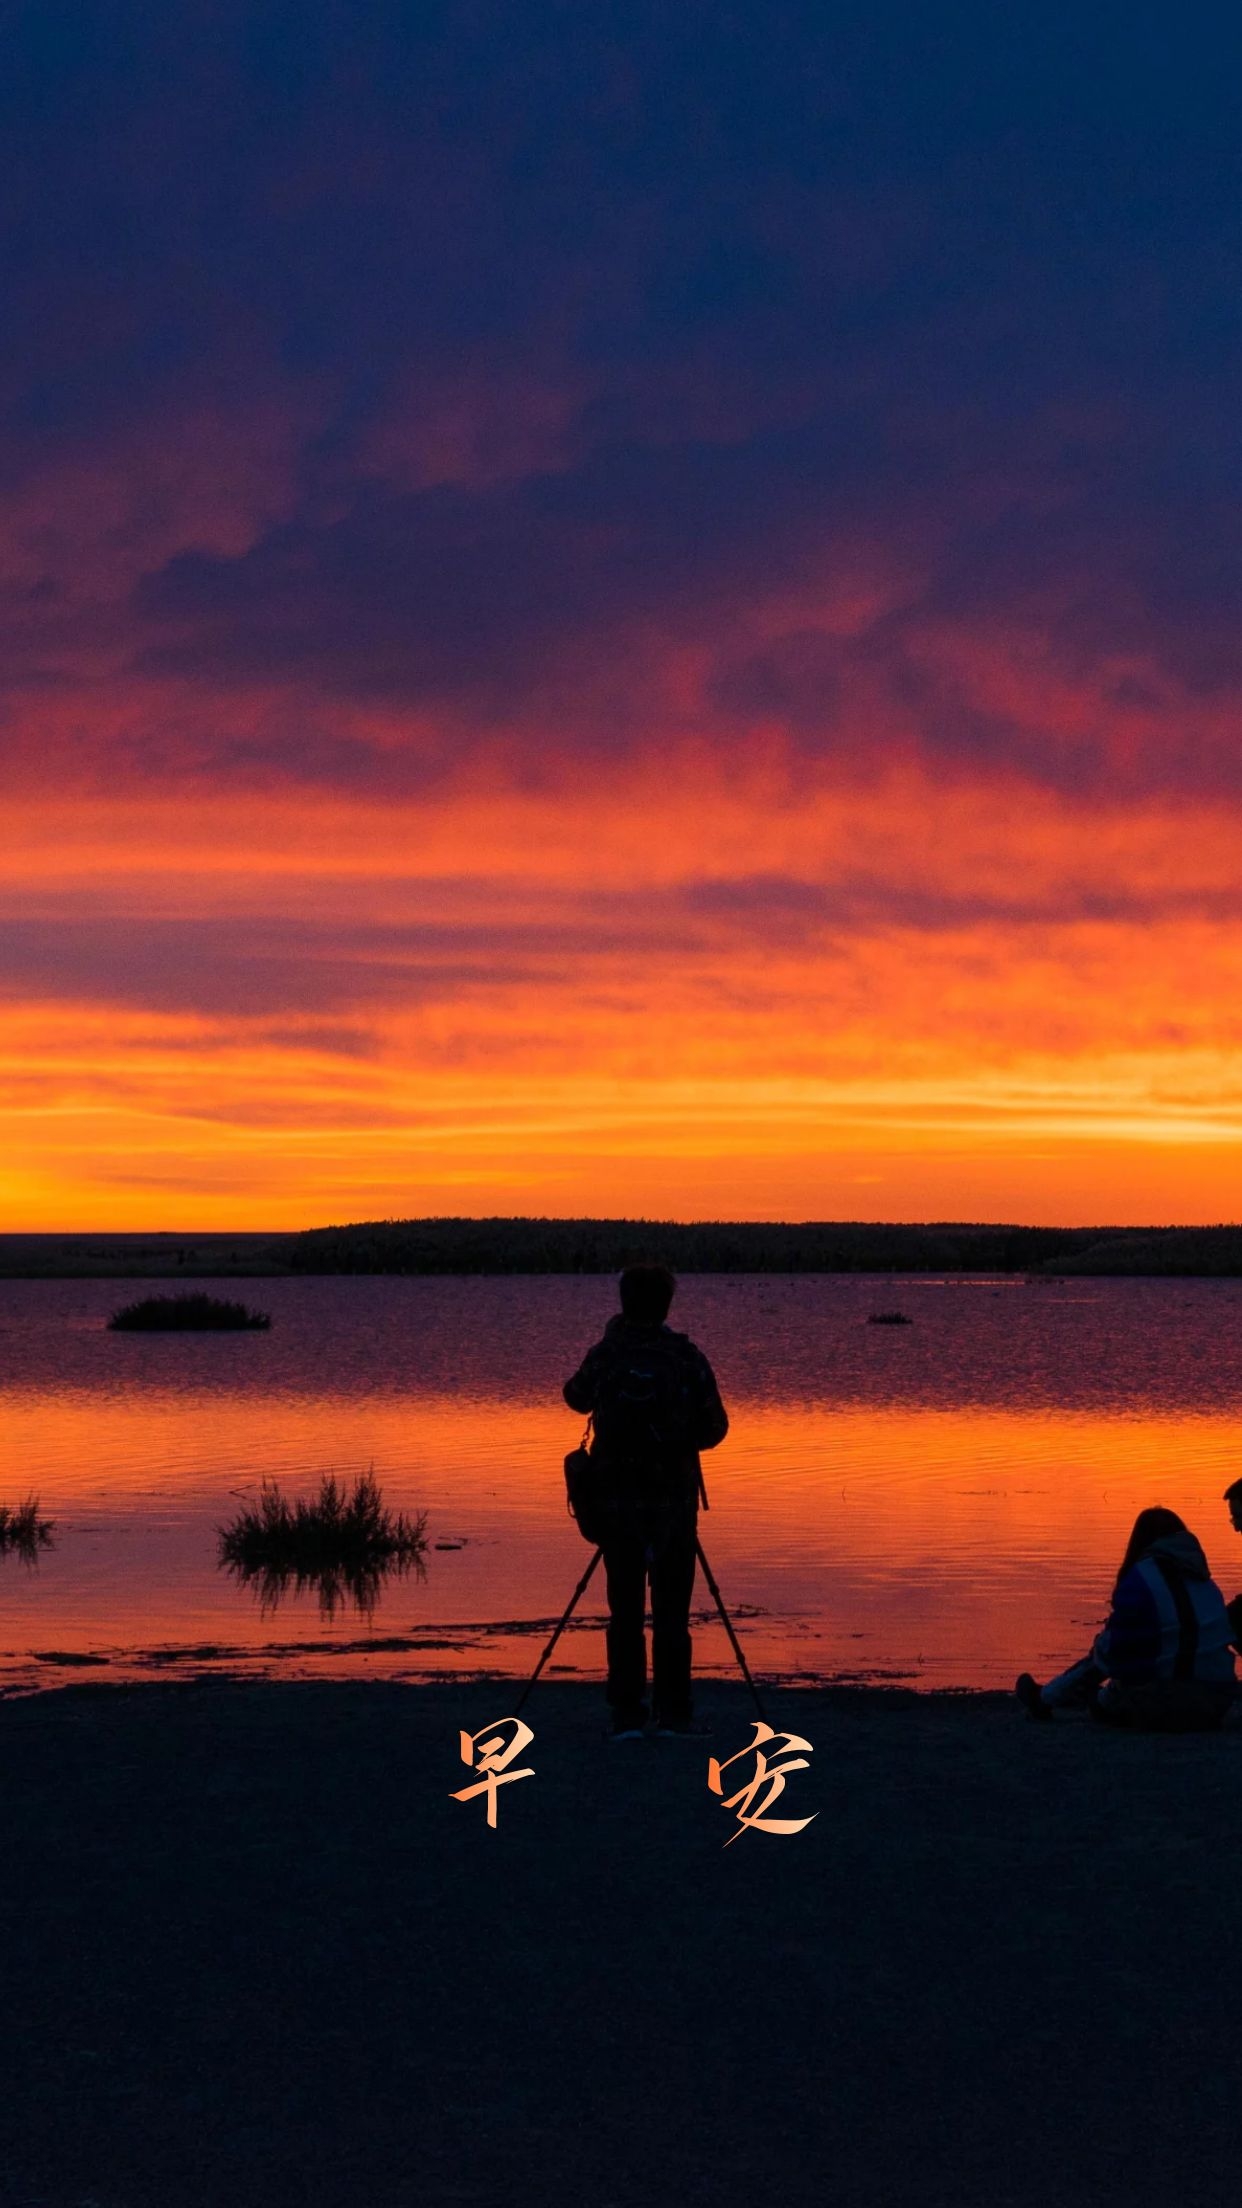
(254, 1953)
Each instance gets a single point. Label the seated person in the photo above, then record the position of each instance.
(1233, 1496)
(1163, 1661)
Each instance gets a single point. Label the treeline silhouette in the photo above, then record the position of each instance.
(605, 1245)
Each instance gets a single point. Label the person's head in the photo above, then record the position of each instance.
(1149, 1527)
(1233, 1496)
(646, 1293)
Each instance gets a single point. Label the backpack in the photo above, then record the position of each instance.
(585, 1496)
(644, 1402)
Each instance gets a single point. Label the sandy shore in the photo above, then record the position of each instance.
(254, 1953)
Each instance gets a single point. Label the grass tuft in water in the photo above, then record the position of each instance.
(182, 1314)
(344, 1543)
(22, 1532)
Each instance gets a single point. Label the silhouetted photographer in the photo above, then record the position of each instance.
(653, 1403)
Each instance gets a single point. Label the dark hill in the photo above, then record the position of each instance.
(604, 1245)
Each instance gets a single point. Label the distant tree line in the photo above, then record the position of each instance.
(605, 1245)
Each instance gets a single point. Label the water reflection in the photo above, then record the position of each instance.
(944, 1503)
(343, 1542)
(23, 1533)
(348, 1587)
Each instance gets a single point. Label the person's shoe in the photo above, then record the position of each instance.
(1027, 1691)
(627, 1728)
(691, 1728)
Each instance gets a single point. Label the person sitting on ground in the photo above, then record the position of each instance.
(1233, 1496)
(654, 1404)
(1163, 1661)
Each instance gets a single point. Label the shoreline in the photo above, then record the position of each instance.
(37, 1672)
(858, 1692)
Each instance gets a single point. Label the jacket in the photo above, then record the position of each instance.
(1168, 1619)
(709, 1421)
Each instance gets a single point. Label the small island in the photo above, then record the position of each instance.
(196, 1313)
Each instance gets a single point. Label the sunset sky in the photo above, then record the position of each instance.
(627, 609)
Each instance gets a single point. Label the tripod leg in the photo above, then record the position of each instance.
(728, 1626)
(574, 1599)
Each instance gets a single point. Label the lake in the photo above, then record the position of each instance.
(939, 1504)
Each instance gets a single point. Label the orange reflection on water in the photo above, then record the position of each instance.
(936, 1546)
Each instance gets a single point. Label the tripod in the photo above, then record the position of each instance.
(580, 1590)
(727, 1622)
(570, 1607)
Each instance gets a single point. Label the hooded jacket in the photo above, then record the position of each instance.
(709, 1421)
(1168, 1619)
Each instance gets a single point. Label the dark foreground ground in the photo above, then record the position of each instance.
(253, 1953)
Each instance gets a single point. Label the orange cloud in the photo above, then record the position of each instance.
(704, 998)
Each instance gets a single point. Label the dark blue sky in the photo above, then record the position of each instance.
(523, 346)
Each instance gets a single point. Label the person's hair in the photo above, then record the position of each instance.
(1150, 1525)
(1233, 1495)
(646, 1293)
